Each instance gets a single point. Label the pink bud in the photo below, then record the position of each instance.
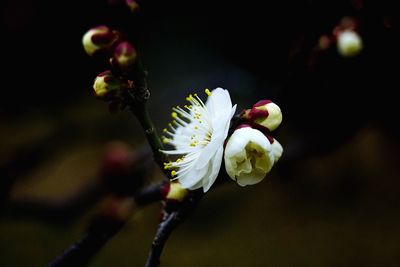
(125, 55)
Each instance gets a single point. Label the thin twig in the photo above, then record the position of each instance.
(80, 253)
(139, 109)
(101, 230)
(60, 210)
(170, 222)
(151, 134)
(136, 98)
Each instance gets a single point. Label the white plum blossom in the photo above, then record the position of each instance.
(198, 132)
(249, 156)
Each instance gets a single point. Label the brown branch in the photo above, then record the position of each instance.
(170, 222)
(102, 229)
(55, 211)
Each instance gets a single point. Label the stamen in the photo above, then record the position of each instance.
(168, 165)
(196, 118)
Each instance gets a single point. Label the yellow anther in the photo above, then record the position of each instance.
(165, 140)
(189, 98)
(164, 130)
(196, 127)
(174, 115)
(178, 160)
(208, 92)
(173, 173)
(168, 165)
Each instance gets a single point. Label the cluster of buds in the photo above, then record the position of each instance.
(109, 85)
(251, 151)
(105, 41)
(346, 37)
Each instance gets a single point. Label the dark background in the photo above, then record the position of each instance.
(331, 201)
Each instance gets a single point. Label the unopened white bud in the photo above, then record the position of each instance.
(349, 43)
(106, 86)
(265, 114)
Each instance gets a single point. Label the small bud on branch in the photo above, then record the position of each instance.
(264, 114)
(99, 39)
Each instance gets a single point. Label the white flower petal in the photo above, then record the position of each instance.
(277, 150)
(209, 151)
(251, 178)
(241, 137)
(219, 100)
(192, 177)
(215, 166)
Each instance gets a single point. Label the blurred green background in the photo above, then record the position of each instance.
(331, 201)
